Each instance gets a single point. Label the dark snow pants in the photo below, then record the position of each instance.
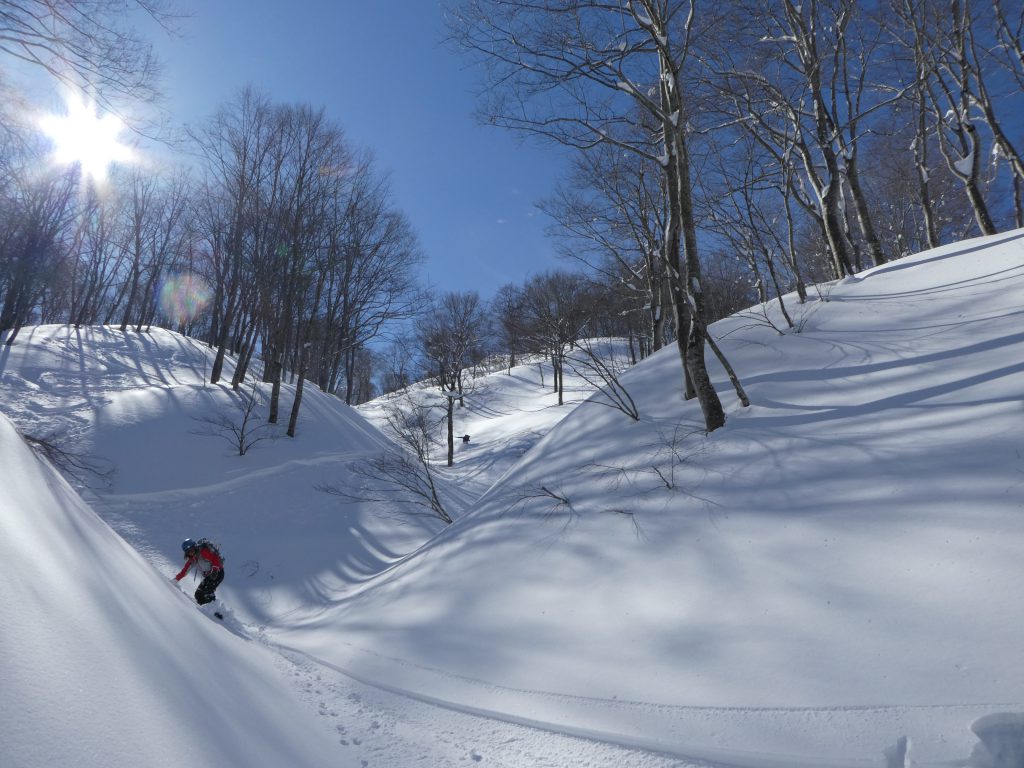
(209, 584)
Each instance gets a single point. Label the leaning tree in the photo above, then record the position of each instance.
(589, 73)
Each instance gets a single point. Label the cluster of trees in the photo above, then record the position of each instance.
(726, 154)
(458, 335)
(282, 240)
(307, 257)
(800, 139)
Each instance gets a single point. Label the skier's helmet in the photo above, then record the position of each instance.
(187, 544)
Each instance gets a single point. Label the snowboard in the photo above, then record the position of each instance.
(219, 613)
(216, 612)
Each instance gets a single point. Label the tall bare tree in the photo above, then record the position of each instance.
(370, 285)
(296, 200)
(235, 145)
(170, 245)
(954, 96)
(809, 80)
(154, 232)
(556, 313)
(99, 252)
(581, 73)
(506, 316)
(611, 216)
(450, 342)
(36, 211)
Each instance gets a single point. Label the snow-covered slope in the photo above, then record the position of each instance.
(836, 568)
(103, 662)
(140, 405)
(504, 413)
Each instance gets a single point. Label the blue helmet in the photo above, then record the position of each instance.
(187, 544)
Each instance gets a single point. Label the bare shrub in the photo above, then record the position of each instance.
(87, 471)
(244, 429)
(405, 474)
(602, 373)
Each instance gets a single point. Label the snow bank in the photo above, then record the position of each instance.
(104, 662)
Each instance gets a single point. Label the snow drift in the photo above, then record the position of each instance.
(104, 662)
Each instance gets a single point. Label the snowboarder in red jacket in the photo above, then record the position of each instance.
(204, 557)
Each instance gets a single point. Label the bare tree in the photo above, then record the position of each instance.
(170, 252)
(599, 367)
(556, 314)
(746, 202)
(450, 342)
(289, 278)
(89, 45)
(98, 250)
(808, 80)
(156, 214)
(370, 283)
(506, 313)
(579, 74)
(234, 145)
(307, 256)
(243, 430)
(954, 92)
(918, 202)
(405, 475)
(36, 211)
(997, 50)
(397, 364)
(612, 216)
(88, 471)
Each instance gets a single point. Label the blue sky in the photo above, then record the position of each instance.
(381, 71)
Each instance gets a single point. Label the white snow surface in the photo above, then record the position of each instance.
(831, 577)
(105, 664)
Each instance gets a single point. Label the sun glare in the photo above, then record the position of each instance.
(82, 135)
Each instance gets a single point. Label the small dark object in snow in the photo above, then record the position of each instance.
(465, 438)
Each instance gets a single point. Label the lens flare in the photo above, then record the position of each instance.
(183, 297)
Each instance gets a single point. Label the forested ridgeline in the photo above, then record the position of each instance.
(723, 155)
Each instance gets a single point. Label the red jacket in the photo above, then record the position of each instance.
(205, 553)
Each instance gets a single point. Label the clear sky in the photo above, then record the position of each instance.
(381, 71)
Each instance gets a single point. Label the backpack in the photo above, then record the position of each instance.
(211, 546)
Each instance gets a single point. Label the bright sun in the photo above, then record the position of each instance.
(84, 136)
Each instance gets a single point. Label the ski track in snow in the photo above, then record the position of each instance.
(180, 495)
(382, 727)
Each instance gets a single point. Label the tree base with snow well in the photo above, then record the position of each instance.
(898, 755)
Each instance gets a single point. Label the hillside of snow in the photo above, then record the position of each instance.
(106, 663)
(836, 569)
